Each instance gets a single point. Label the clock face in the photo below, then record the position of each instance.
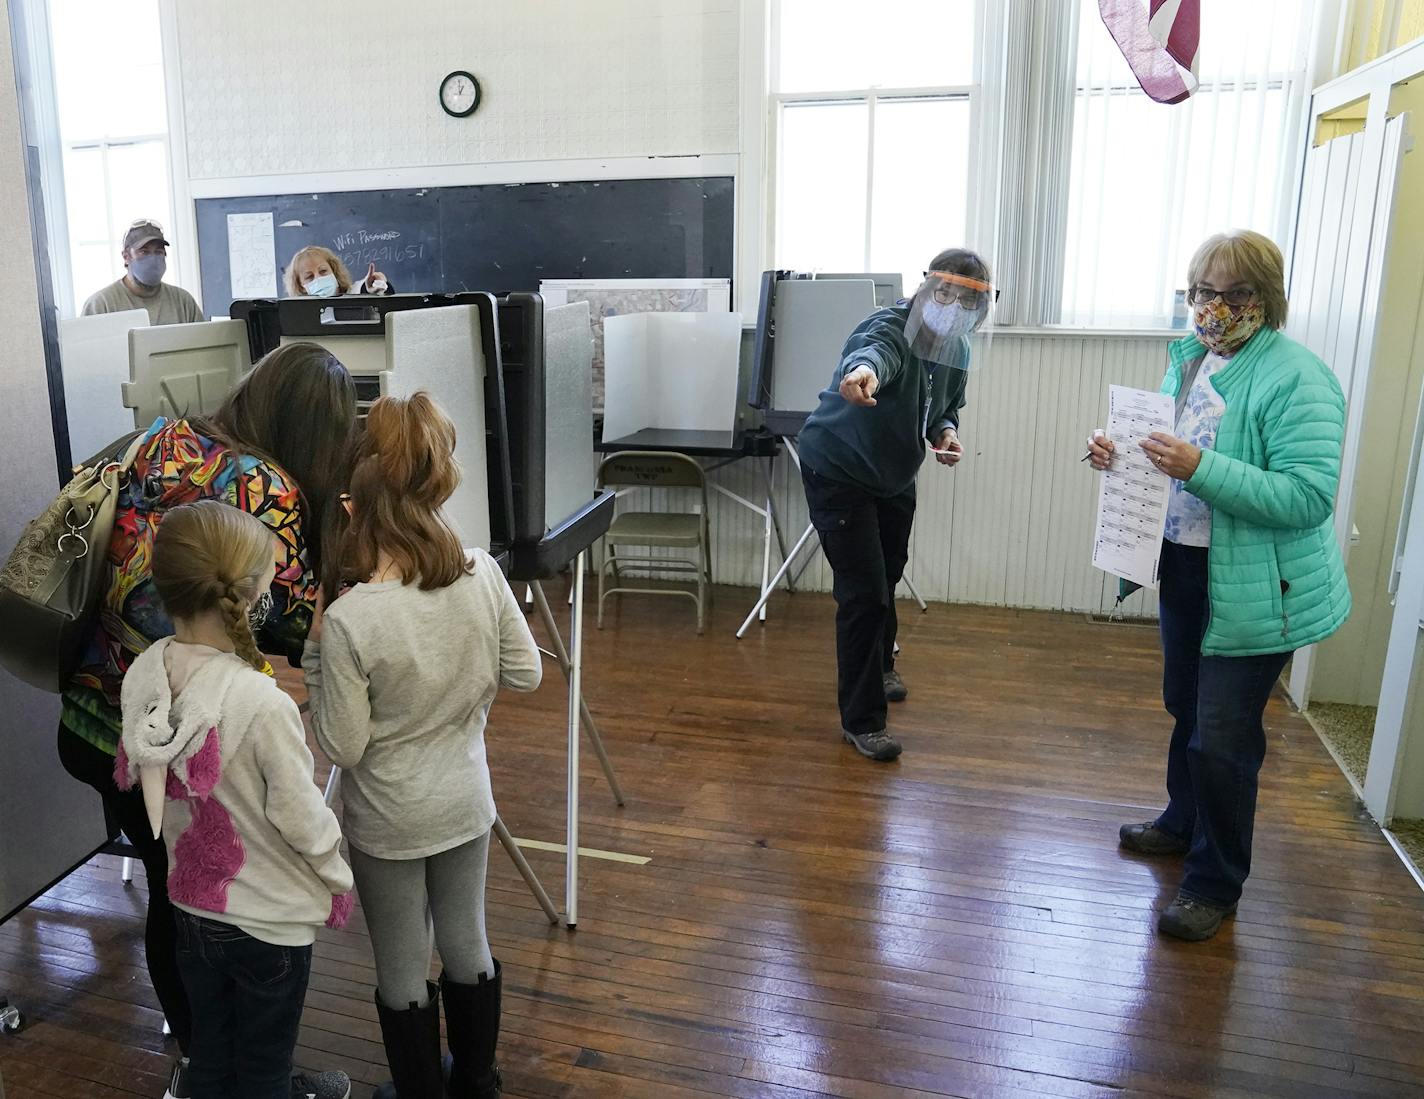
(460, 94)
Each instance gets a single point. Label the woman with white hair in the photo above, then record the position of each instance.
(1250, 571)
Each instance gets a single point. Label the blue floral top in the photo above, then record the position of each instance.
(1189, 517)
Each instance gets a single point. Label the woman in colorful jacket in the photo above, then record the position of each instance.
(1250, 570)
(278, 449)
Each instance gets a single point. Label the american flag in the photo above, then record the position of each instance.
(1159, 41)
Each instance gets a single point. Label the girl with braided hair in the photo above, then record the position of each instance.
(220, 755)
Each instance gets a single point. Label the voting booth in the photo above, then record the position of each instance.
(535, 500)
(94, 353)
(179, 370)
(802, 326)
(396, 345)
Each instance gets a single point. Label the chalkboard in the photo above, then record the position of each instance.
(492, 237)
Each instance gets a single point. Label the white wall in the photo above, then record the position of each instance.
(327, 85)
(1013, 524)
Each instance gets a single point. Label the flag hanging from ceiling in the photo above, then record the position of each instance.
(1159, 40)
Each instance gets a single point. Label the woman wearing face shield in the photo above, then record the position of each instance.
(900, 384)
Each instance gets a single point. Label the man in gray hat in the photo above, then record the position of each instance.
(142, 287)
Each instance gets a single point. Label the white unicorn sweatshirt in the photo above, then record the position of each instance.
(220, 751)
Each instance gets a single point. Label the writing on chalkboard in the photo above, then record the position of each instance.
(363, 236)
(379, 254)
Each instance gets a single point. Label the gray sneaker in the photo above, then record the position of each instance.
(321, 1085)
(1193, 920)
(895, 689)
(1147, 839)
(879, 746)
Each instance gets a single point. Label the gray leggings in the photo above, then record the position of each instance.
(393, 897)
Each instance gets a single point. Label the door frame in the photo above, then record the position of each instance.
(1373, 83)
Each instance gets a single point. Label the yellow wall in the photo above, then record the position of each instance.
(1374, 27)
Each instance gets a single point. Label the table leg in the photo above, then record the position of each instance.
(562, 657)
(575, 695)
(771, 587)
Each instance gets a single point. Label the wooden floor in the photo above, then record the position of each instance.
(959, 923)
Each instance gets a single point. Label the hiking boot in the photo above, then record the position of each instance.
(1147, 839)
(895, 689)
(1193, 920)
(321, 1085)
(879, 746)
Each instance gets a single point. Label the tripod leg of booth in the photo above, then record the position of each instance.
(561, 655)
(525, 870)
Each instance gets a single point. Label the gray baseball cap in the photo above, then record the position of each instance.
(143, 231)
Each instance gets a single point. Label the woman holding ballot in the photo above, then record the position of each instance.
(900, 384)
(1250, 567)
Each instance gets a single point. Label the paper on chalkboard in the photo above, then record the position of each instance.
(251, 255)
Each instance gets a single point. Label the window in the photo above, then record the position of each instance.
(113, 122)
(871, 112)
(1149, 182)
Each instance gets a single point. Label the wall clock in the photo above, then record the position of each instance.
(460, 94)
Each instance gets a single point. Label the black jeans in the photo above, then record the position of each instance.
(866, 539)
(125, 809)
(247, 1005)
(1218, 742)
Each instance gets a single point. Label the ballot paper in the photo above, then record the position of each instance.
(1132, 495)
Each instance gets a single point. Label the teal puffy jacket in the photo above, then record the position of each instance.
(1276, 580)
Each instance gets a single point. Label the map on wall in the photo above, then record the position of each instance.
(618, 297)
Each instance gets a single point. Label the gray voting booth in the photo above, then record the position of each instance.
(542, 510)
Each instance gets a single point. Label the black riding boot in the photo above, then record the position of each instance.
(412, 1041)
(472, 1029)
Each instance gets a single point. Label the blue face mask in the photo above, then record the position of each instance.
(148, 270)
(323, 286)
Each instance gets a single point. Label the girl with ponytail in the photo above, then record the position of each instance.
(401, 674)
(220, 755)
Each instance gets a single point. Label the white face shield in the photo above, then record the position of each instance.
(947, 309)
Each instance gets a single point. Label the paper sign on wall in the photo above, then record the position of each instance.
(251, 256)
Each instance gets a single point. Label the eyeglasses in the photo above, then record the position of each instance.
(970, 299)
(1200, 295)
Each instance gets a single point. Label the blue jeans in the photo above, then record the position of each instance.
(1218, 742)
(247, 999)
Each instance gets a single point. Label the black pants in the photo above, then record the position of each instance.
(247, 1006)
(866, 539)
(1218, 742)
(125, 808)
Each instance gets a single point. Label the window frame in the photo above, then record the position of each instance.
(1295, 83)
(1000, 206)
(777, 101)
(178, 220)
